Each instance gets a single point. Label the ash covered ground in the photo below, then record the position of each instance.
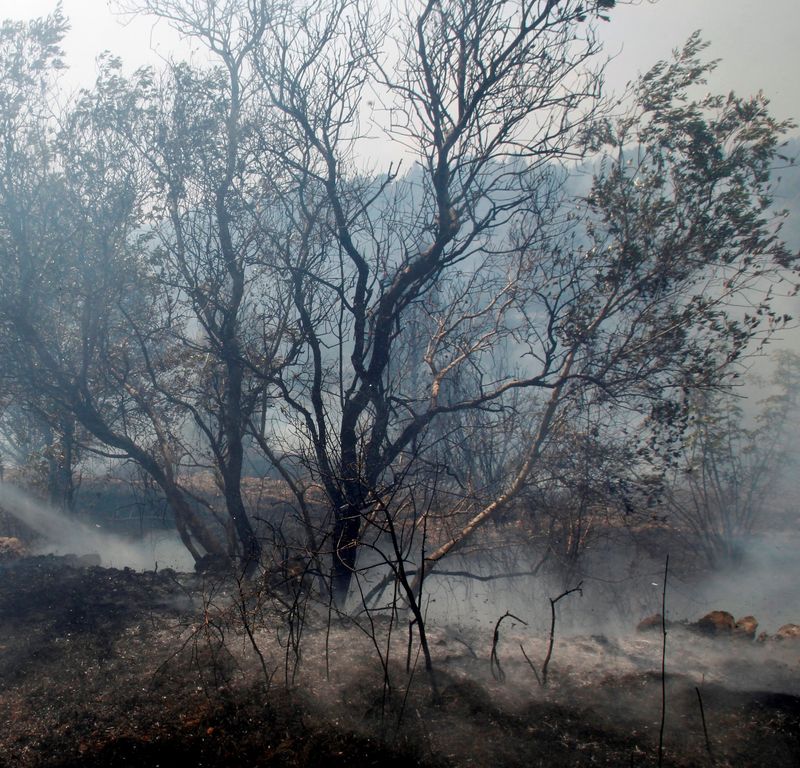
(105, 667)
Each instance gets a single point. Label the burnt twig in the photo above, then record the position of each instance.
(705, 728)
(494, 659)
(531, 665)
(663, 665)
(553, 601)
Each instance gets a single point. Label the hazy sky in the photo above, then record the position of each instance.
(757, 41)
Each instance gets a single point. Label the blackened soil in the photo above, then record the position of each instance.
(105, 668)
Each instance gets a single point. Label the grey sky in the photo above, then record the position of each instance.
(757, 41)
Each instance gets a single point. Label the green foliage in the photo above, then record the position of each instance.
(682, 230)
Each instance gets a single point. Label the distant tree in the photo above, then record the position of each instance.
(728, 474)
(201, 133)
(71, 270)
(588, 486)
(37, 432)
(43, 446)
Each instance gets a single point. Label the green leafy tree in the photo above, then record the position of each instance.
(72, 271)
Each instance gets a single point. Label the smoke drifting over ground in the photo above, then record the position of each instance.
(764, 584)
(63, 534)
(146, 665)
(621, 584)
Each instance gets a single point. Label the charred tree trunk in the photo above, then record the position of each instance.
(251, 547)
(60, 466)
(189, 526)
(187, 521)
(234, 415)
(346, 537)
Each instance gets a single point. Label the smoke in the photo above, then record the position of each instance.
(764, 585)
(621, 585)
(63, 534)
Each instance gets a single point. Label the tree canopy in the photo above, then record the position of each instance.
(214, 262)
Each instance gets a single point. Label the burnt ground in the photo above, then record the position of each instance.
(101, 667)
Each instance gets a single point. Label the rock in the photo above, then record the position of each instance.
(745, 628)
(651, 623)
(716, 624)
(790, 632)
(11, 548)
